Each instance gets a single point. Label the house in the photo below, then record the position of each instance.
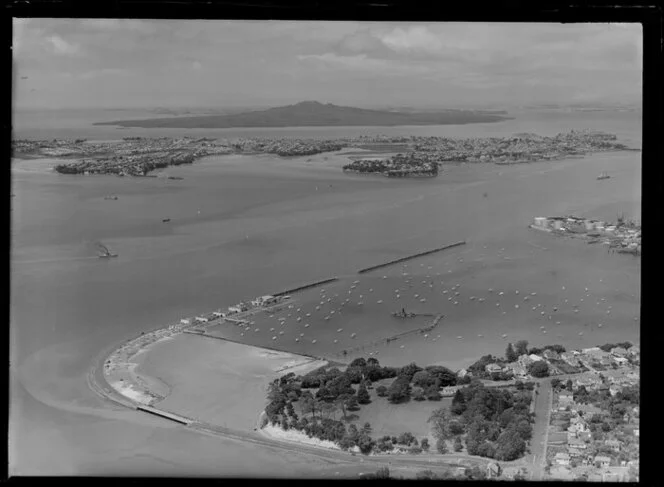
(570, 358)
(535, 358)
(493, 470)
(584, 435)
(551, 355)
(565, 398)
(561, 458)
(619, 351)
(577, 443)
(614, 389)
(613, 444)
(462, 373)
(517, 369)
(185, 321)
(621, 360)
(492, 368)
(588, 411)
(602, 460)
(634, 350)
(525, 361)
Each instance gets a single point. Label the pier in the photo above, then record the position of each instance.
(409, 257)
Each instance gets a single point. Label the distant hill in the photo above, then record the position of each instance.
(312, 113)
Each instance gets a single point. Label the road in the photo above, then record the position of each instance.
(540, 428)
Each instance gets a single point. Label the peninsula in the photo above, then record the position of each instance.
(312, 113)
(415, 156)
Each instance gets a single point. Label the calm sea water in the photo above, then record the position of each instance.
(244, 226)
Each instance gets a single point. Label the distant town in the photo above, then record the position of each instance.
(416, 156)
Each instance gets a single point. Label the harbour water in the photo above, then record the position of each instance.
(241, 227)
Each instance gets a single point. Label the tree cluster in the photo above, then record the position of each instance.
(497, 423)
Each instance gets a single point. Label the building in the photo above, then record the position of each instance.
(535, 358)
(524, 361)
(613, 444)
(619, 351)
(602, 461)
(561, 458)
(565, 398)
(492, 368)
(577, 443)
(570, 358)
(551, 355)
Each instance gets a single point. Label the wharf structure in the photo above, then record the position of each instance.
(625, 236)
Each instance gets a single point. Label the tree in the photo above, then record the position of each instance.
(363, 396)
(418, 394)
(441, 446)
(409, 370)
(458, 445)
(383, 472)
(422, 379)
(458, 403)
(569, 385)
(366, 428)
(352, 404)
(510, 353)
(432, 393)
(425, 444)
(373, 362)
(381, 391)
(342, 402)
(539, 369)
(439, 421)
(555, 383)
(399, 390)
(444, 375)
(521, 347)
(358, 362)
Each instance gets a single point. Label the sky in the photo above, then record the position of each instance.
(110, 63)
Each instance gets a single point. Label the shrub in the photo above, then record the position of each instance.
(441, 446)
(381, 391)
(425, 444)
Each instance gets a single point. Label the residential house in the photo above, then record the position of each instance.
(493, 470)
(634, 350)
(622, 361)
(588, 411)
(577, 443)
(614, 389)
(613, 444)
(603, 461)
(570, 358)
(535, 358)
(551, 355)
(462, 373)
(517, 369)
(525, 361)
(565, 398)
(493, 368)
(561, 458)
(619, 351)
(584, 435)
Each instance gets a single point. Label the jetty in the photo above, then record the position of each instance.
(409, 257)
(398, 336)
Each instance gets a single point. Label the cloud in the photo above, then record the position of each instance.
(414, 39)
(361, 63)
(196, 65)
(62, 47)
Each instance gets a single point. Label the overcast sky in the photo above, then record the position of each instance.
(124, 63)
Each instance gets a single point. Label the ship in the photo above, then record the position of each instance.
(177, 178)
(166, 220)
(105, 253)
(603, 175)
(403, 314)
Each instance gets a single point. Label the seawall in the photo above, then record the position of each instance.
(409, 257)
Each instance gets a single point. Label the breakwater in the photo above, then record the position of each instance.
(409, 257)
(392, 338)
(306, 286)
(166, 415)
(266, 347)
